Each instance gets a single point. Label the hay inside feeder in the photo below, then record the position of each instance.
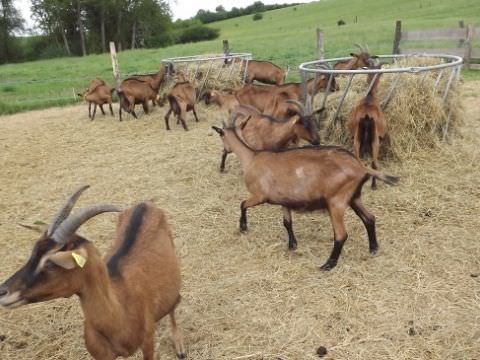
(416, 115)
(209, 74)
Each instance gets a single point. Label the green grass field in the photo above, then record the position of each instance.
(285, 36)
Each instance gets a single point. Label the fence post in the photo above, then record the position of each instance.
(461, 25)
(226, 48)
(469, 41)
(398, 37)
(320, 44)
(115, 67)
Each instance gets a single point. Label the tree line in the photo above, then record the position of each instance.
(82, 27)
(220, 13)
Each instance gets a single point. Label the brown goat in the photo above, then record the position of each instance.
(263, 97)
(155, 80)
(367, 125)
(263, 132)
(98, 93)
(358, 61)
(265, 72)
(132, 92)
(123, 295)
(227, 102)
(182, 99)
(306, 179)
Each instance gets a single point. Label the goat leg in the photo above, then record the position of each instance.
(167, 117)
(145, 106)
(287, 222)
(94, 111)
(340, 236)
(111, 109)
(368, 221)
(375, 150)
(120, 112)
(89, 110)
(177, 337)
(252, 201)
(224, 158)
(195, 114)
(101, 108)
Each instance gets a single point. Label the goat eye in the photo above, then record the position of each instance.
(50, 265)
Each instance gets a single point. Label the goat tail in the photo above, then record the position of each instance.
(123, 100)
(389, 179)
(366, 132)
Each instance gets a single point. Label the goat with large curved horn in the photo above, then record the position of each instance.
(298, 104)
(73, 222)
(65, 210)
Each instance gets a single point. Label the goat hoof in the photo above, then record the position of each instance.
(374, 250)
(329, 265)
(292, 246)
(243, 228)
(181, 356)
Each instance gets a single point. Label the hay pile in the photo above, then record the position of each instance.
(245, 296)
(211, 73)
(416, 117)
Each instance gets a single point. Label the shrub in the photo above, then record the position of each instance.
(198, 33)
(257, 16)
(341, 22)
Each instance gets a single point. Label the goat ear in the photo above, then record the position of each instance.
(39, 227)
(218, 130)
(70, 259)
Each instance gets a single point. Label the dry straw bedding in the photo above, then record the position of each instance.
(247, 296)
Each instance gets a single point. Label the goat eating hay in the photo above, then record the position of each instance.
(417, 116)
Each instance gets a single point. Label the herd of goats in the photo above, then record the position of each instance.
(124, 294)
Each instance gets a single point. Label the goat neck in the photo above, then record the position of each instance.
(98, 297)
(237, 146)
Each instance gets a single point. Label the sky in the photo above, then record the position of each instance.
(181, 9)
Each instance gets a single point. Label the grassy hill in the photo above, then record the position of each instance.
(285, 36)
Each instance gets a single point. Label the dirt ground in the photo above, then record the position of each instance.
(247, 296)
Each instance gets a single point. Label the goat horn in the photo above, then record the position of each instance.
(72, 223)
(366, 48)
(359, 46)
(66, 209)
(298, 103)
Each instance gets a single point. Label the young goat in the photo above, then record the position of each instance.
(306, 179)
(182, 99)
(123, 296)
(263, 132)
(265, 72)
(132, 92)
(98, 93)
(358, 61)
(367, 125)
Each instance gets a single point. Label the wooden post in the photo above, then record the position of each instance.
(115, 67)
(398, 37)
(469, 42)
(320, 46)
(226, 48)
(461, 25)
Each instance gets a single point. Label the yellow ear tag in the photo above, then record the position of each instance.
(79, 259)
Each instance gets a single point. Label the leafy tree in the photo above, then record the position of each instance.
(10, 21)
